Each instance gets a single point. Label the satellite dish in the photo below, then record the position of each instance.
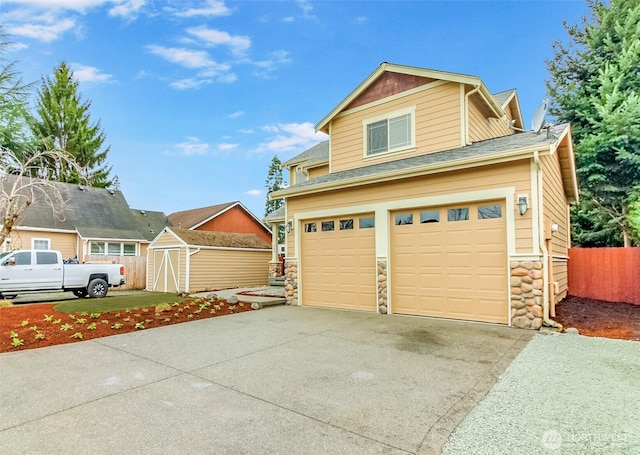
(538, 117)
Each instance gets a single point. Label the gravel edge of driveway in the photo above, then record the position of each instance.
(563, 394)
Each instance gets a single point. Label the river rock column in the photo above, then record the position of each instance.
(382, 286)
(527, 288)
(291, 281)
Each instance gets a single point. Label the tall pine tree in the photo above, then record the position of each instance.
(595, 85)
(274, 182)
(64, 124)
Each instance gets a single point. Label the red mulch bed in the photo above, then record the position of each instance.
(598, 318)
(39, 325)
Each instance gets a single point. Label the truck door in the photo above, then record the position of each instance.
(48, 268)
(17, 272)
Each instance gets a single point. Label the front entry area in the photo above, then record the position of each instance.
(450, 262)
(338, 262)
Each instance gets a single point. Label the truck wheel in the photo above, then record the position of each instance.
(80, 293)
(97, 288)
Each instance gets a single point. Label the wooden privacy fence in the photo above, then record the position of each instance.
(135, 269)
(611, 274)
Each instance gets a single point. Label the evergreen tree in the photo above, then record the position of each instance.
(274, 182)
(64, 124)
(595, 85)
(14, 114)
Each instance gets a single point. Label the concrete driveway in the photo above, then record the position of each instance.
(279, 380)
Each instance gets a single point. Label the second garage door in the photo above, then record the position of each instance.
(450, 262)
(338, 262)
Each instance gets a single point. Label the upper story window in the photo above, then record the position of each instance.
(390, 133)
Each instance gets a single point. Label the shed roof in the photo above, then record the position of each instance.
(194, 218)
(219, 239)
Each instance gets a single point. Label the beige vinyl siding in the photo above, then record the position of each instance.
(163, 242)
(437, 127)
(555, 212)
(66, 243)
(318, 171)
(482, 127)
(217, 269)
(517, 174)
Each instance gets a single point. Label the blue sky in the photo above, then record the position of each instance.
(197, 96)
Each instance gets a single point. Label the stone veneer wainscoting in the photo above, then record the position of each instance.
(382, 286)
(526, 294)
(291, 281)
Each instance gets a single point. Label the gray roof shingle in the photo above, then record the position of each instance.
(481, 149)
(317, 153)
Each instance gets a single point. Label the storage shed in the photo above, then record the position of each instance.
(182, 260)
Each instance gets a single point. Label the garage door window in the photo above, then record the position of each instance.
(404, 218)
(310, 227)
(346, 225)
(328, 226)
(486, 212)
(458, 214)
(366, 222)
(430, 216)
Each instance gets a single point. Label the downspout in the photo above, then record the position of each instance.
(466, 113)
(546, 321)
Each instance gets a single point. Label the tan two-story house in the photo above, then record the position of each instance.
(431, 199)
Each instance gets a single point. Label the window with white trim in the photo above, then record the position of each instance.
(114, 248)
(40, 244)
(390, 133)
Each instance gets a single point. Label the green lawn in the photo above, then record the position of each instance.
(117, 302)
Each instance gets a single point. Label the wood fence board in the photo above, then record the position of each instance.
(611, 274)
(135, 269)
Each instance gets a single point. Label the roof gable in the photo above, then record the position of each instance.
(398, 80)
(190, 219)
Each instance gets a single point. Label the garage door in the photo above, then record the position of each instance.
(450, 262)
(338, 262)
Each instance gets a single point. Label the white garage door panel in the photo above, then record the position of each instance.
(453, 269)
(338, 267)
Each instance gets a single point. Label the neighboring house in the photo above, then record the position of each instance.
(430, 199)
(94, 223)
(182, 260)
(228, 217)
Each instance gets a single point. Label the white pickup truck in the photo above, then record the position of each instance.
(44, 270)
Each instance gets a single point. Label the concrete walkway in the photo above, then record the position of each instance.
(283, 379)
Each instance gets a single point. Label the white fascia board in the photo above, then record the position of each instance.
(38, 229)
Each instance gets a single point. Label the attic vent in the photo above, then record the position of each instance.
(112, 192)
(142, 212)
(81, 187)
(152, 231)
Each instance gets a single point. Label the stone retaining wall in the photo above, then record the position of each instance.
(527, 294)
(275, 269)
(291, 281)
(382, 286)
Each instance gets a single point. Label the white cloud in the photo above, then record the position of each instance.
(210, 37)
(275, 60)
(43, 32)
(235, 115)
(127, 9)
(74, 5)
(193, 146)
(291, 137)
(211, 8)
(181, 56)
(254, 192)
(361, 19)
(227, 147)
(89, 74)
(306, 7)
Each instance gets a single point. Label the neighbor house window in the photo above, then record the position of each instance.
(129, 249)
(390, 133)
(97, 248)
(114, 248)
(40, 244)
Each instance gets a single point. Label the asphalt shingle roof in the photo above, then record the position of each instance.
(317, 153)
(221, 239)
(189, 218)
(502, 97)
(479, 149)
(93, 212)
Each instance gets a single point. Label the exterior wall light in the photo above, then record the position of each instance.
(523, 204)
(289, 226)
